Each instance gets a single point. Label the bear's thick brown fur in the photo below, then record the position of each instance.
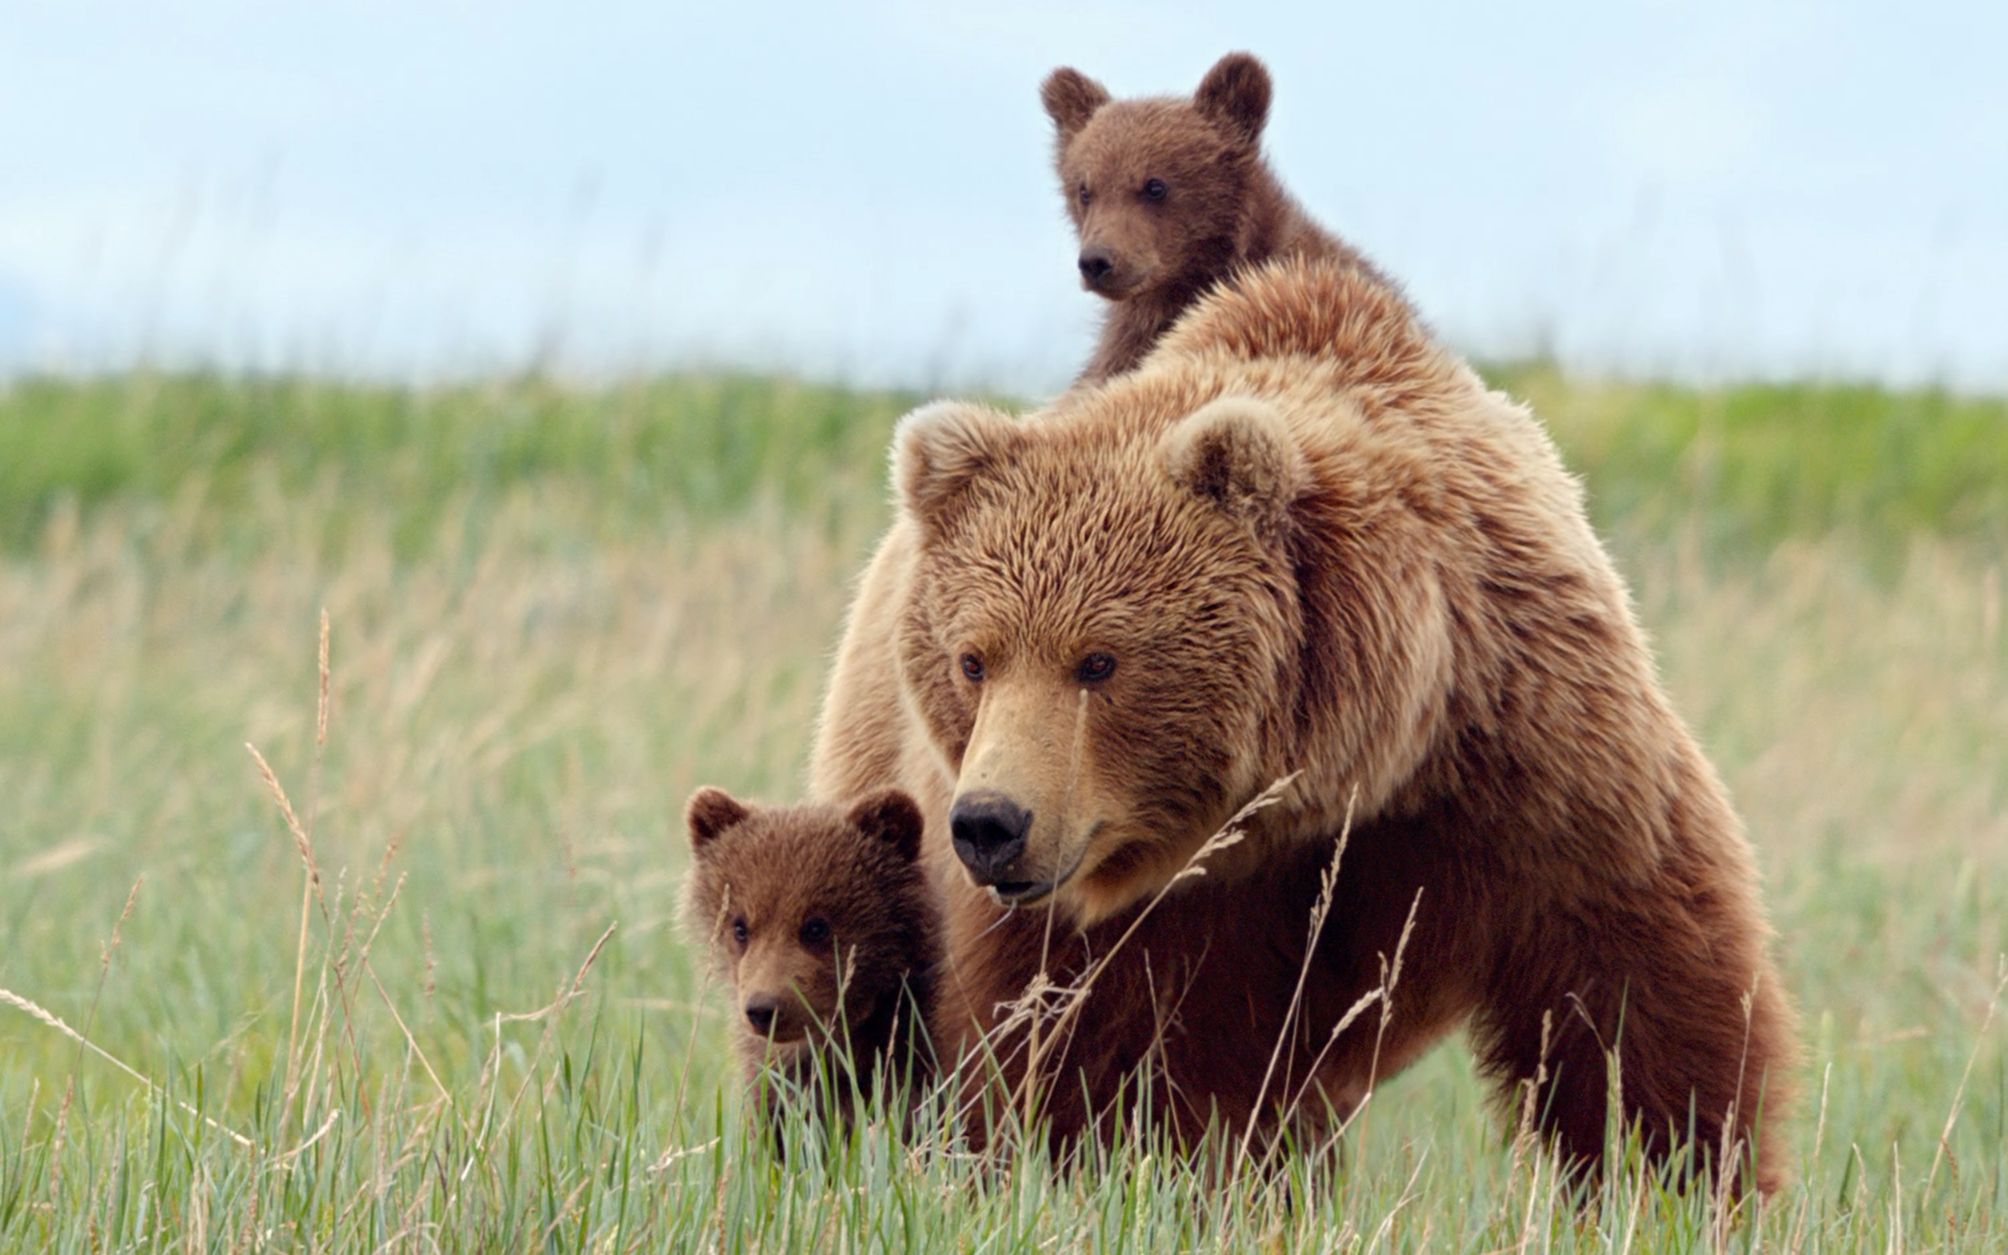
(822, 921)
(1302, 537)
(1170, 196)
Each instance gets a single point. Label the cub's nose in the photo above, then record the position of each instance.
(988, 832)
(760, 1014)
(1096, 264)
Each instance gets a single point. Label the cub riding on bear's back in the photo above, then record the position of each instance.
(1170, 196)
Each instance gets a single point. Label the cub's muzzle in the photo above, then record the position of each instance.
(760, 1013)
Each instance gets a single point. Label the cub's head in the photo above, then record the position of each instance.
(1156, 186)
(1102, 636)
(814, 913)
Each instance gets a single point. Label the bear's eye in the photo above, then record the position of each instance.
(815, 931)
(1095, 668)
(1082, 194)
(739, 930)
(972, 668)
(1154, 189)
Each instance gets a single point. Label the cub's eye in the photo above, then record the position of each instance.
(1082, 194)
(972, 668)
(739, 930)
(1154, 189)
(815, 931)
(1095, 668)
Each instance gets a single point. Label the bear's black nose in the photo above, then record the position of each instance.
(988, 832)
(760, 1014)
(1096, 264)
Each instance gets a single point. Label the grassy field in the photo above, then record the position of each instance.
(553, 612)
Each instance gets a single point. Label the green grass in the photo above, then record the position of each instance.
(555, 612)
(1754, 464)
(702, 446)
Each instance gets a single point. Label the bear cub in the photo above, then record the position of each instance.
(1171, 196)
(819, 918)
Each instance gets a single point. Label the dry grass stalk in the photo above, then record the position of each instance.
(548, 1015)
(305, 839)
(1360, 1006)
(1966, 1075)
(301, 841)
(313, 894)
(1526, 1133)
(709, 966)
(36, 1012)
(1320, 910)
(197, 1237)
(1730, 1153)
(105, 952)
(410, 1040)
(1383, 996)
(1029, 1006)
(1796, 1240)
(334, 1114)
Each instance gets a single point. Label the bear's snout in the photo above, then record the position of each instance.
(760, 1013)
(988, 831)
(1096, 263)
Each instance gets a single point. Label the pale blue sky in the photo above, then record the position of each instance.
(862, 190)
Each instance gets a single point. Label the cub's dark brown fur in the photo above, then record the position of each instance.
(820, 918)
(1170, 196)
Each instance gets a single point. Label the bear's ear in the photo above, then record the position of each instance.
(709, 814)
(939, 449)
(1237, 453)
(890, 816)
(1235, 96)
(1071, 98)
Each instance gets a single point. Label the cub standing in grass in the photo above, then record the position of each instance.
(1170, 197)
(820, 917)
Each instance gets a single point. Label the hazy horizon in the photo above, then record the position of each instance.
(1771, 190)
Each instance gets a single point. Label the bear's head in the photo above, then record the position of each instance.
(811, 912)
(1158, 187)
(1101, 637)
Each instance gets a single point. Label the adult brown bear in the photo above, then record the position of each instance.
(1302, 537)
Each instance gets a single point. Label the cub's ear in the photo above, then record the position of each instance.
(940, 449)
(1235, 95)
(1071, 98)
(709, 813)
(1237, 453)
(892, 817)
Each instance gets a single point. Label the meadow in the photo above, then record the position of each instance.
(379, 949)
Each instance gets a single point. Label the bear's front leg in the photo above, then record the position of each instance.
(1670, 984)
